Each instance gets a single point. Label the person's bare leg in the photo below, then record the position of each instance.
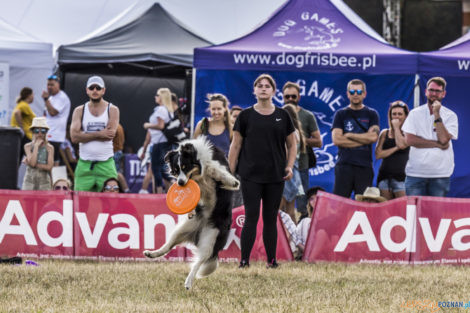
(148, 177)
(387, 194)
(399, 194)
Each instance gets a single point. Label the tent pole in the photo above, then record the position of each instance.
(416, 93)
(193, 100)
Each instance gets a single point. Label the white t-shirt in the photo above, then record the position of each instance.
(156, 136)
(58, 123)
(430, 162)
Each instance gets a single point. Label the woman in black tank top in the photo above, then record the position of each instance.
(392, 148)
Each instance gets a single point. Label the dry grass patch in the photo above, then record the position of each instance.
(66, 286)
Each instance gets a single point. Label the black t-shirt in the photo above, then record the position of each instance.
(262, 156)
(394, 165)
(348, 120)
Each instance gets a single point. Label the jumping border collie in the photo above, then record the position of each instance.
(209, 228)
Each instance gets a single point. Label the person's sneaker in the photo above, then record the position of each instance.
(143, 191)
(244, 264)
(272, 264)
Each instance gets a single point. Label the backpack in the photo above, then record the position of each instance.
(174, 131)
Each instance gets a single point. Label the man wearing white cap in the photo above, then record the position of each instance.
(94, 125)
(57, 110)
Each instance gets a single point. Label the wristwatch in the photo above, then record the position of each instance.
(438, 120)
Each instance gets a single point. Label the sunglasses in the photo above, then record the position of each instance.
(39, 130)
(398, 103)
(293, 97)
(111, 188)
(353, 91)
(93, 87)
(54, 77)
(61, 187)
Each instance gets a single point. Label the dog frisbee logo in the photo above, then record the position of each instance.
(183, 199)
(308, 32)
(180, 196)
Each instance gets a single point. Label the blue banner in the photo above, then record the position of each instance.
(134, 172)
(322, 94)
(456, 99)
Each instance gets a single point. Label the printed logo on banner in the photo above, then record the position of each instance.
(240, 220)
(311, 30)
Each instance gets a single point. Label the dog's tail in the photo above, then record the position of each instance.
(208, 267)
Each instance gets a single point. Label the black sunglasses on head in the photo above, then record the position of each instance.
(53, 77)
(39, 130)
(93, 87)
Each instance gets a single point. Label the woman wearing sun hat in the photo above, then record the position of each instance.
(39, 158)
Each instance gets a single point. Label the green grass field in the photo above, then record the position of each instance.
(72, 286)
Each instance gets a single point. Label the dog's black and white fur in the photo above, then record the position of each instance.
(208, 230)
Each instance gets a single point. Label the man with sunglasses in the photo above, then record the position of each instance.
(291, 95)
(94, 126)
(57, 112)
(355, 128)
(429, 130)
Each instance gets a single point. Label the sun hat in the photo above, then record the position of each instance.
(371, 193)
(95, 80)
(39, 122)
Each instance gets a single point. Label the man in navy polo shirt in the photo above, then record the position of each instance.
(355, 128)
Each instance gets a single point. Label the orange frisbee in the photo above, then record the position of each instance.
(183, 199)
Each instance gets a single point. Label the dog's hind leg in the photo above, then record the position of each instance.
(180, 235)
(205, 248)
(208, 267)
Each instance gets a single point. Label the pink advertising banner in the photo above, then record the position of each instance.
(36, 224)
(51, 224)
(443, 231)
(110, 226)
(100, 226)
(344, 230)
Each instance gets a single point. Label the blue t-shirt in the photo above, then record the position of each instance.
(348, 120)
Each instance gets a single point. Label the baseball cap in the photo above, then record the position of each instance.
(95, 80)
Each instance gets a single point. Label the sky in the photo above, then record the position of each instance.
(66, 21)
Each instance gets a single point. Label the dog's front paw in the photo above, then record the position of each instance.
(188, 283)
(151, 254)
(148, 254)
(236, 184)
(231, 185)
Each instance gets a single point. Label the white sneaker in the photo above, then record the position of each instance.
(143, 191)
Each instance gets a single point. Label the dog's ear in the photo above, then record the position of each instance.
(189, 150)
(170, 155)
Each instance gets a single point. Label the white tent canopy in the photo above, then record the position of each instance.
(63, 22)
(29, 61)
